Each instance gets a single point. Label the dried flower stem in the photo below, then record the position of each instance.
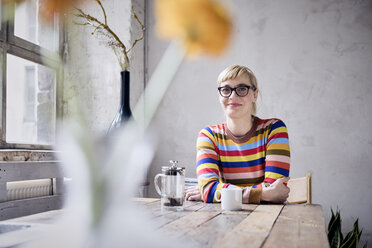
(112, 40)
(142, 28)
(103, 10)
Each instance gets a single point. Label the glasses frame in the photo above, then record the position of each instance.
(234, 89)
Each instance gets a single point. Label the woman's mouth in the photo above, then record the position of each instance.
(233, 105)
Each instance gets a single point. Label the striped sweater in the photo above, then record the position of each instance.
(251, 162)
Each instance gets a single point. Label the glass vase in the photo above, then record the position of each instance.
(124, 112)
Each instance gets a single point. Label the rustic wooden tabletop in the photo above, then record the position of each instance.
(205, 225)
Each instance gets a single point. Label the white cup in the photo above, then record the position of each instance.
(231, 198)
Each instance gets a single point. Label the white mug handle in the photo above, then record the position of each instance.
(215, 196)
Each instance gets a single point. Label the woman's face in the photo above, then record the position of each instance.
(235, 106)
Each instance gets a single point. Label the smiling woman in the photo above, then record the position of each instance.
(245, 151)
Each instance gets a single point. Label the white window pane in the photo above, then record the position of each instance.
(30, 102)
(29, 26)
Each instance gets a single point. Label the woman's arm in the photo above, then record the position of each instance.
(207, 170)
(277, 153)
(277, 164)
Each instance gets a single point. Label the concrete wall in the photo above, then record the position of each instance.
(313, 61)
(92, 71)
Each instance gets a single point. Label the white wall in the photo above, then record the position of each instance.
(313, 61)
(92, 70)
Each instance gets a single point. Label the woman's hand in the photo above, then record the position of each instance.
(193, 194)
(276, 192)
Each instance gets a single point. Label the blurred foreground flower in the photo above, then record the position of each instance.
(47, 8)
(203, 25)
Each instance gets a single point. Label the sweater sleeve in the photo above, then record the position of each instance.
(207, 162)
(277, 161)
(277, 153)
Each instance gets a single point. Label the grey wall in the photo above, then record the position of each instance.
(313, 61)
(92, 71)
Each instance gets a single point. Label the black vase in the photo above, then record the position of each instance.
(124, 112)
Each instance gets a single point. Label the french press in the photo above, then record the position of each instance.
(172, 186)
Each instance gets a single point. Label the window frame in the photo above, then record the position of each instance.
(11, 44)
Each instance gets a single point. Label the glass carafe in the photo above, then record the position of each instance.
(172, 186)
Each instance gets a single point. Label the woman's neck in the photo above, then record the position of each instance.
(239, 127)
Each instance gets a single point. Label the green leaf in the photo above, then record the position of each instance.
(335, 227)
(357, 230)
(356, 226)
(360, 234)
(354, 244)
(349, 239)
(332, 224)
(336, 239)
(331, 220)
(335, 236)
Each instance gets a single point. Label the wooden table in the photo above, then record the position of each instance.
(205, 225)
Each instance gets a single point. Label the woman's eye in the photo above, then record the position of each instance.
(242, 89)
(226, 90)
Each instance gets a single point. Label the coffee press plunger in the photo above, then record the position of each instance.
(172, 186)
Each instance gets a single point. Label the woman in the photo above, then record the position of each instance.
(245, 151)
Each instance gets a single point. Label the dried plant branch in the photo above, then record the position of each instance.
(97, 27)
(142, 28)
(109, 37)
(82, 24)
(103, 10)
(124, 63)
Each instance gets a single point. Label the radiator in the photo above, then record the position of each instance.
(29, 189)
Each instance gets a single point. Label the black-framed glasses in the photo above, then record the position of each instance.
(243, 90)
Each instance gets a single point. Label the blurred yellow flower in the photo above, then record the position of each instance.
(48, 8)
(203, 25)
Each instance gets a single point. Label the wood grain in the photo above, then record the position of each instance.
(207, 234)
(179, 227)
(253, 230)
(299, 226)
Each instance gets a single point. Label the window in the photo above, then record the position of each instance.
(28, 92)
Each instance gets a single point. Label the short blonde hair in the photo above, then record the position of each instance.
(235, 71)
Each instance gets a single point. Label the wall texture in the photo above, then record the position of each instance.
(92, 71)
(313, 61)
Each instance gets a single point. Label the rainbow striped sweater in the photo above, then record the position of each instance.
(251, 162)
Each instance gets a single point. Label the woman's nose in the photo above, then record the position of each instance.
(233, 94)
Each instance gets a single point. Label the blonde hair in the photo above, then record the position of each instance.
(235, 71)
